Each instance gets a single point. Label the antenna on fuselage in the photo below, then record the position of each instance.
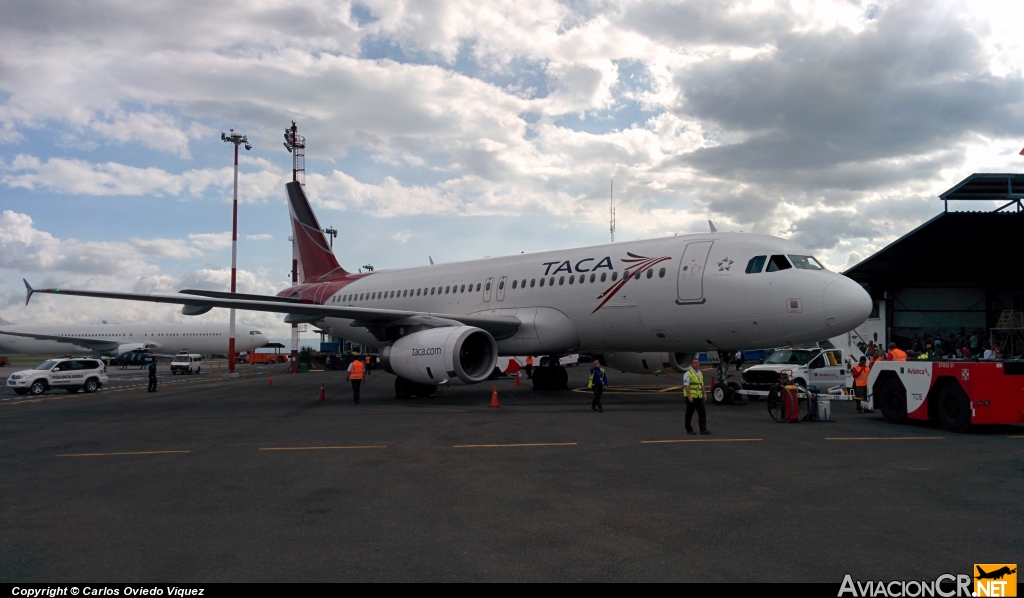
(611, 209)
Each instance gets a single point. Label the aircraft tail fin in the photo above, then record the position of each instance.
(316, 258)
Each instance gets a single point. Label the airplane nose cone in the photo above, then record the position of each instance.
(847, 305)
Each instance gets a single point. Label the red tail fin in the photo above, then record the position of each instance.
(316, 259)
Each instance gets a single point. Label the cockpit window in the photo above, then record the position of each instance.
(756, 264)
(778, 262)
(806, 262)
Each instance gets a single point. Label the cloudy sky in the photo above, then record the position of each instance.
(469, 128)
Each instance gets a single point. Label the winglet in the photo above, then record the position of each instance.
(712, 225)
(28, 291)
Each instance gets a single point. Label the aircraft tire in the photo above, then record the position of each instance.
(953, 409)
(720, 394)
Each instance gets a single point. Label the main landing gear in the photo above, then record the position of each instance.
(550, 377)
(407, 389)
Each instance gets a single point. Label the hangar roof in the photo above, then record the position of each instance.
(976, 248)
(988, 186)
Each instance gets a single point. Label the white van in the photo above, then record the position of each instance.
(190, 363)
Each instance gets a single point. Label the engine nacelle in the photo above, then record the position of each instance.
(648, 363)
(440, 354)
(122, 349)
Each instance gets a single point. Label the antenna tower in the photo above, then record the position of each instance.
(611, 209)
(296, 144)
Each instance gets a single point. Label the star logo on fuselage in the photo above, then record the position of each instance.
(725, 264)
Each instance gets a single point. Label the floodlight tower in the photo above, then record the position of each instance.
(237, 140)
(296, 145)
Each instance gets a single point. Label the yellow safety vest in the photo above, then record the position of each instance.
(696, 384)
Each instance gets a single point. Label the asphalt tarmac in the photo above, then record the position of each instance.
(234, 480)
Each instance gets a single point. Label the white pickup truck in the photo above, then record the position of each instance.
(72, 375)
(807, 366)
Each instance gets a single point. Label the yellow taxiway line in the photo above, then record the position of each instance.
(514, 445)
(318, 448)
(701, 440)
(112, 454)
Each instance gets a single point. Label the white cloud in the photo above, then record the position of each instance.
(402, 236)
(260, 237)
(211, 241)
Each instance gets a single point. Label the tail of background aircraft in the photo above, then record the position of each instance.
(316, 259)
(4, 322)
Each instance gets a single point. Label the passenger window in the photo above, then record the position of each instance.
(604, 276)
(501, 285)
(515, 283)
(551, 281)
(542, 282)
(593, 277)
(487, 287)
(478, 286)
(523, 284)
(572, 278)
(418, 292)
(661, 273)
(650, 273)
(636, 275)
(755, 264)
(431, 290)
(463, 289)
(532, 282)
(561, 280)
(778, 262)
(615, 276)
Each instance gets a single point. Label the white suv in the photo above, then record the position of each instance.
(72, 375)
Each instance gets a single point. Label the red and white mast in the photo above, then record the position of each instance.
(296, 144)
(236, 139)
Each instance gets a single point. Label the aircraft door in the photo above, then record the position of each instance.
(501, 288)
(691, 273)
(487, 288)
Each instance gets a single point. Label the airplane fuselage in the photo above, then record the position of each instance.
(684, 293)
(158, 338)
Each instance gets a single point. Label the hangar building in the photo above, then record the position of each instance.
(957, 271)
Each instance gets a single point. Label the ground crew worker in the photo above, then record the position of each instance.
(693, 390)
(738, 358)
(895, 353)
(355, 376)
(598, 380)
(152, 376)
(860, 383)
(369, 364)
(529, 367)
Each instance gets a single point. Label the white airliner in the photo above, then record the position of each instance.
(659, 300)
(115, 339)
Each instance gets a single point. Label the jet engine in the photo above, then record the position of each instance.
(439, 355)
(648, 363)
(125, 348)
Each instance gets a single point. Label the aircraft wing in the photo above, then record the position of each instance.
(87, 343)
(498, 326)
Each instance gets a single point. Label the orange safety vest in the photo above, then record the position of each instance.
(529, 360)
(357, 371)
(896, 354)
(860, 375)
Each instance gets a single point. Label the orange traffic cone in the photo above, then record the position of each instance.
(322, 397)
(270, 380)
(517, 379)
(494, 398)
